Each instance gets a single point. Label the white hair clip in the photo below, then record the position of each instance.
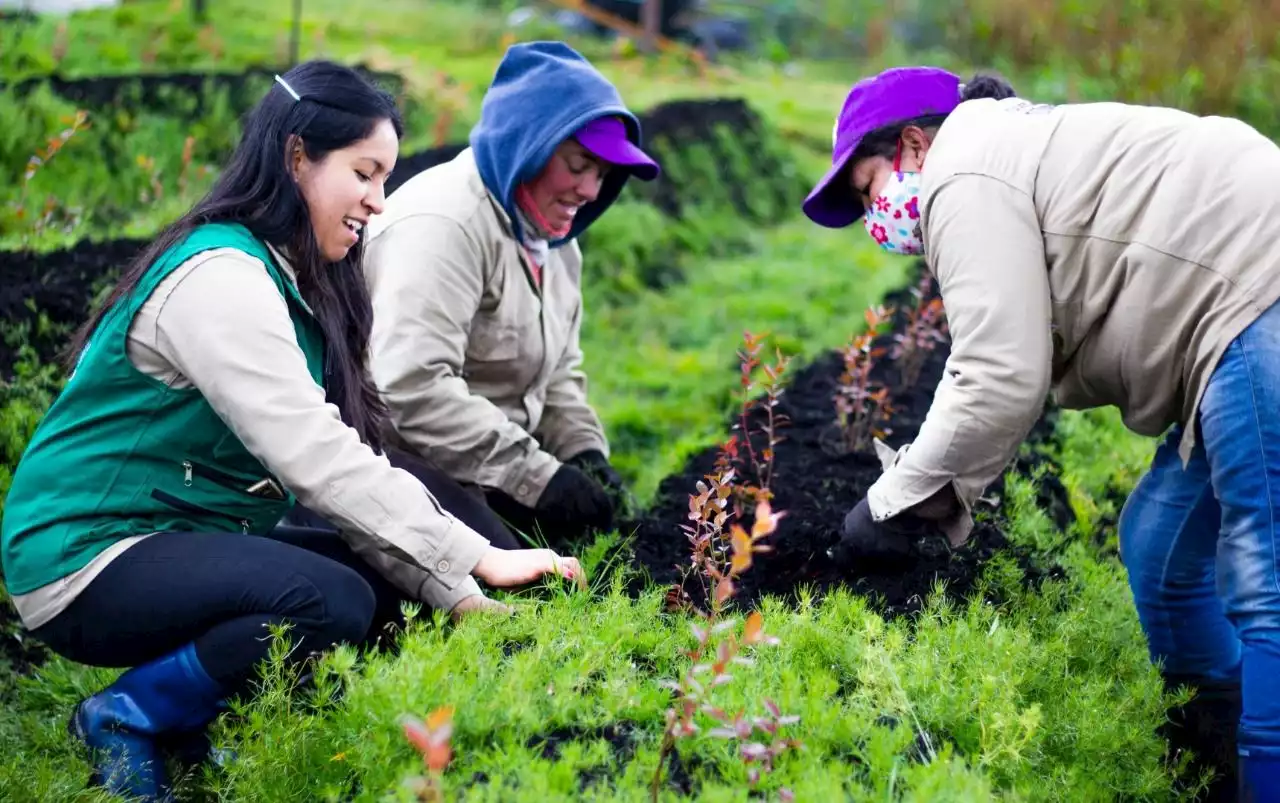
(287, 88)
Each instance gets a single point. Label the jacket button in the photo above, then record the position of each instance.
(524, 490)
(442, 566)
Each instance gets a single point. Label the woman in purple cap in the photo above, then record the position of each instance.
(1118, 255)
(474, 270)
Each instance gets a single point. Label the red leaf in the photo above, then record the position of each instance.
(725, 588)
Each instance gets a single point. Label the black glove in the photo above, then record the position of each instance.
(572, 499)
(595, 465)
(863, 539)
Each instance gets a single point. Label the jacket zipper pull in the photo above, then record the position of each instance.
(187, 472)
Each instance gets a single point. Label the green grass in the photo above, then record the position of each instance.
(1047, 696)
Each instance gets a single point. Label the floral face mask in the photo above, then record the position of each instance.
(893, 218)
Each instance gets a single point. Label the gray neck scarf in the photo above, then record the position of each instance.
(533, 238)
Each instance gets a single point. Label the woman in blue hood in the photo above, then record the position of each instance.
(474, 271)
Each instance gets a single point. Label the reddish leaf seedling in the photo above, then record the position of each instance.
(862, 404)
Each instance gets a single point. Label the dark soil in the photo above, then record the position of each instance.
(623, 739)
(59, 285)
(696, 121)
(816, 486)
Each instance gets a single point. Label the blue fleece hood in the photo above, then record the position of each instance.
(542, 93)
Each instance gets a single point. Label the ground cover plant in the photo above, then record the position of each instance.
(729, 352)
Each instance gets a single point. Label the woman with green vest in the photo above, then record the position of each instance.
(221, 383)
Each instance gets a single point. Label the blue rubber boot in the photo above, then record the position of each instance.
(1259, 771)
(120, 723)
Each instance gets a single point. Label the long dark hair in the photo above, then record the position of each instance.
(883, 141)
(338, 107)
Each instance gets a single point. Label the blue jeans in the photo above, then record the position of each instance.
(1200, 543)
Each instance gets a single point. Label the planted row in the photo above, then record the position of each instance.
(807, 450)
(717, 152)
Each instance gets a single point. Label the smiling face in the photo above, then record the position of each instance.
(347, 187)
(571, 179)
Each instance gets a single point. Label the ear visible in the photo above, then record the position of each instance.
(915, 144)
(294, 156)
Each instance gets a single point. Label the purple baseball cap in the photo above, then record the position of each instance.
(894, 95)
(606, 137)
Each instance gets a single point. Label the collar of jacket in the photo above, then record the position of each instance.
(539, 248)
(286, 265)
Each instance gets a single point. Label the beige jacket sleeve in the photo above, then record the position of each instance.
(569, 424)
(226, 328)
(984, 244)
(428, 289)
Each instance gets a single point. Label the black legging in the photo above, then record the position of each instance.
(221, 590)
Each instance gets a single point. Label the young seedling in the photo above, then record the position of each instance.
(722, 550)
(693, 695)
(862, 405)
(721, 497)
(925, 329)
(19, 210)
(709, 513)
(432, 740)
(761, 461)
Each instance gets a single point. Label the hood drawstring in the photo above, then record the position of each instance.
(535, 232)
(529, 208)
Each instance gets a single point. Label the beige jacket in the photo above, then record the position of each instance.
(1104, 251)
(218, 322)
(480, 367)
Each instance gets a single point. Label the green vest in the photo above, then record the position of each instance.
(119, 453)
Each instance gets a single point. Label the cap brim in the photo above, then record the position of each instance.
(832, 202)
(624, 153)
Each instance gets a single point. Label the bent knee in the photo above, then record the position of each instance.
(334, 606)
(350, 602)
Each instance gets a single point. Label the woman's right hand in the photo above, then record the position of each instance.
(512, 567)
